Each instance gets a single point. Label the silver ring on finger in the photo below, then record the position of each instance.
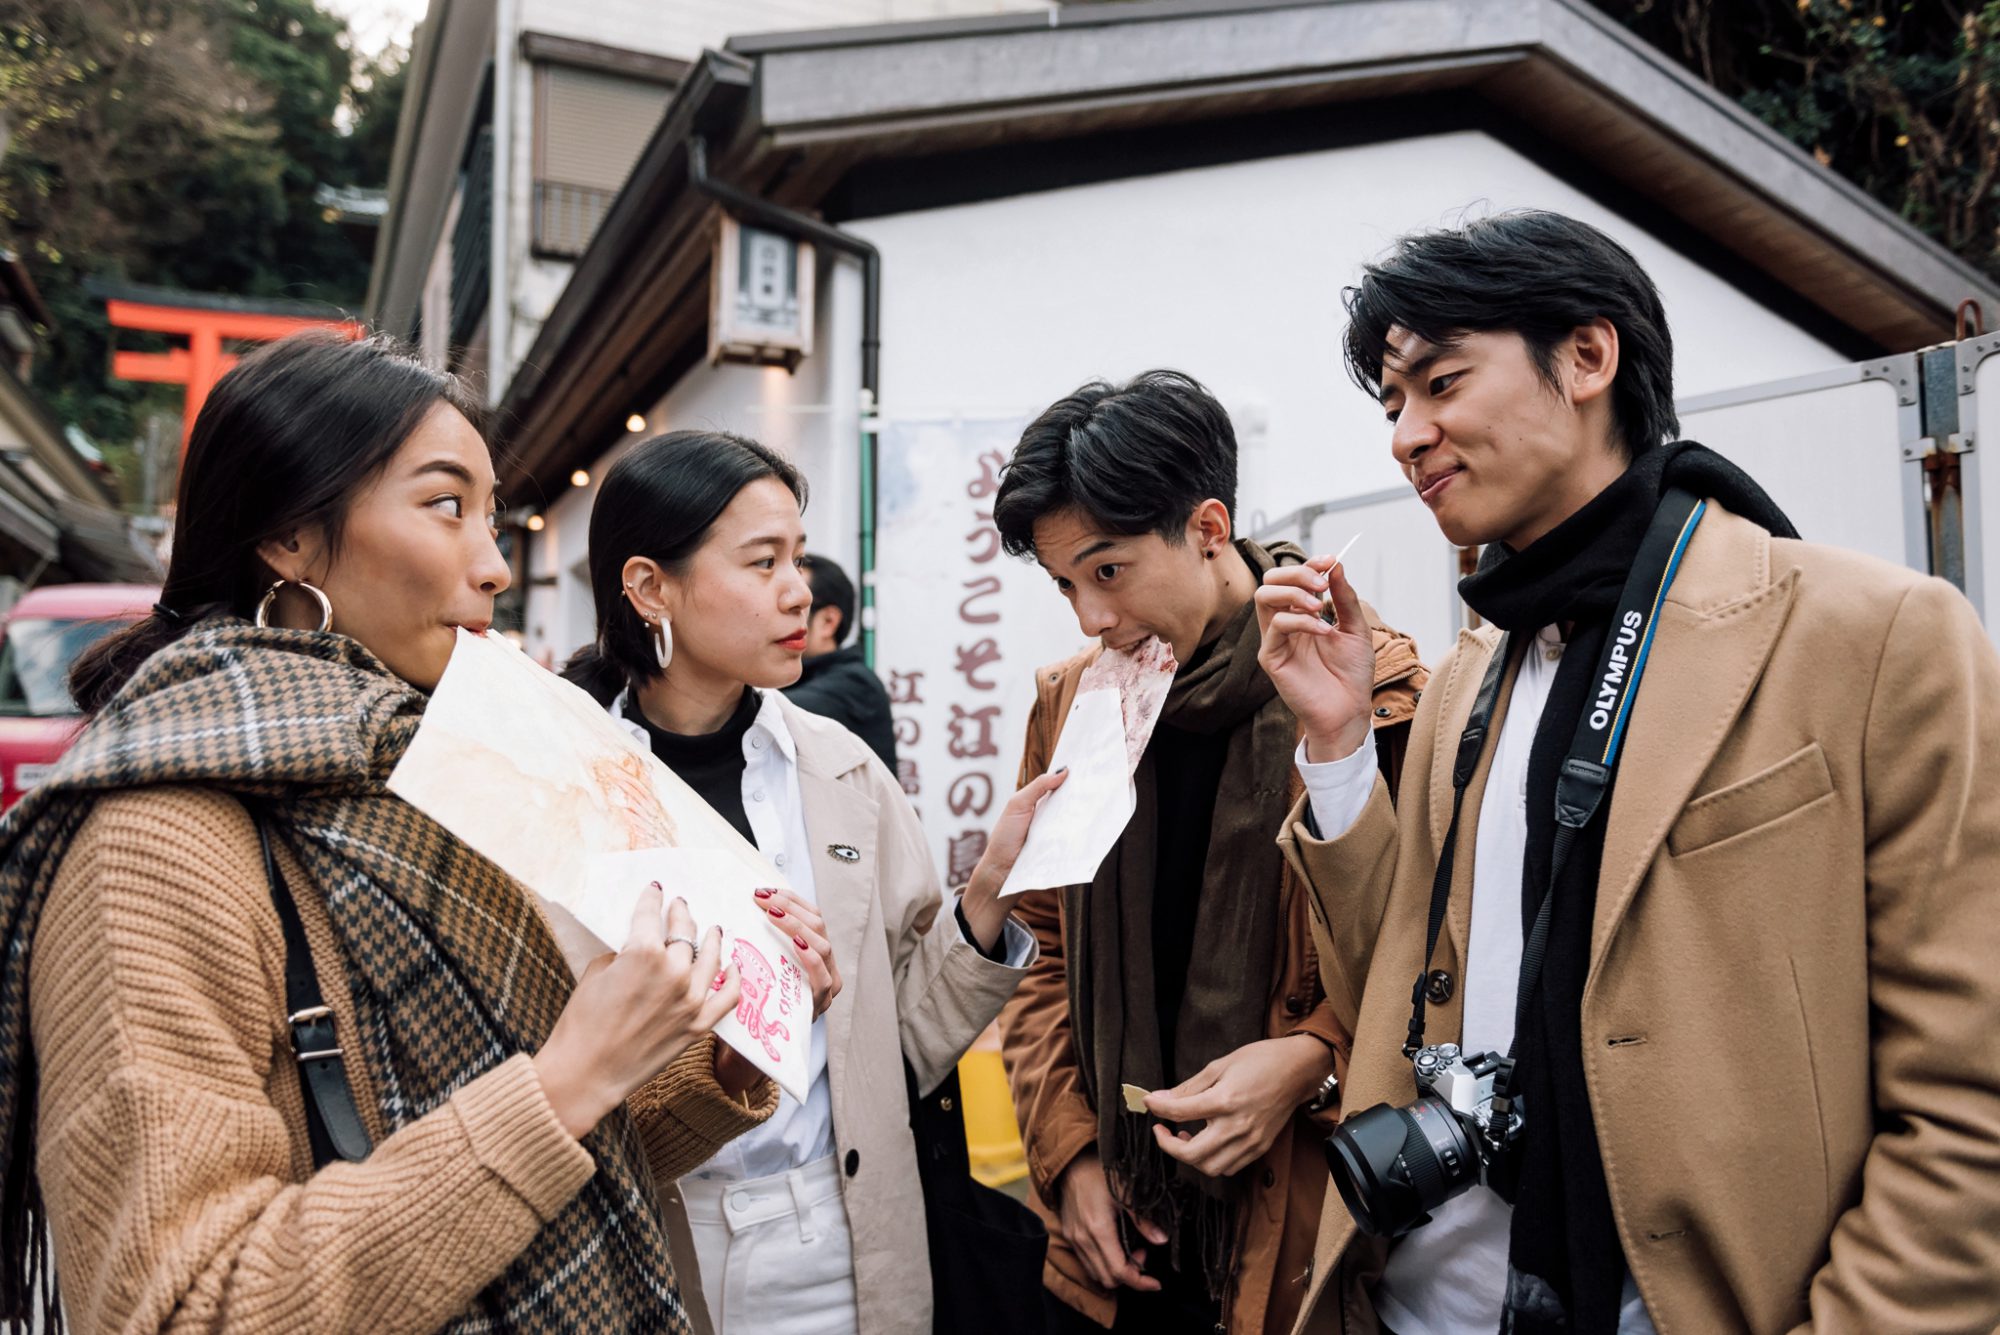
(688, 941)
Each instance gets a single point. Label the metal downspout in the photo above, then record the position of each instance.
(778, 218)
(499, 292)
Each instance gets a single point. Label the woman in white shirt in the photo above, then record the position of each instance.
(814, 1221)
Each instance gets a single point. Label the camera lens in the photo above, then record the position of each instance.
(1394, 1166)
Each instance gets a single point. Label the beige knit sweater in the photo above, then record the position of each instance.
(173, 1153)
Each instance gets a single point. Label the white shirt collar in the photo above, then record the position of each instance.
(769, 725)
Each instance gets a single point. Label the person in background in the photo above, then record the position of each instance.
(172, 1123)
(835, 682)
(1186, 968)
(814, 1224)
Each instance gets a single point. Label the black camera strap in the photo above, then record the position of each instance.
(1587, 771)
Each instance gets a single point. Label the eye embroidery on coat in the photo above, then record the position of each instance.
(845, 852)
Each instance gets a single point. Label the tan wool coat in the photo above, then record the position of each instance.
(1789, 1023)
(173, 1152)
(1057, 1122)
(911, 986)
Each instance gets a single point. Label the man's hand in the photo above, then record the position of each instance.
(1325, 674)
(1246, 1098)
(1089, 1221)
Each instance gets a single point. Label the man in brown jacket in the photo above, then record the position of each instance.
(1187, 967)
(1748, 993)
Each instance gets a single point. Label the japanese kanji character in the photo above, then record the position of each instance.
(972, 732)
(962, 854)
(906, 688)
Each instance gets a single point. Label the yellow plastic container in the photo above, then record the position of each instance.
(992, 1135)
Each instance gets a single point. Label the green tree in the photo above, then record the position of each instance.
(1895, 95)
(179, 142)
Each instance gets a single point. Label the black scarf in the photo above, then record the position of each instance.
(1566, 1269)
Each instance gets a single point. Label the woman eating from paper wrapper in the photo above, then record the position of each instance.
(815, 1221)
(277, 1052)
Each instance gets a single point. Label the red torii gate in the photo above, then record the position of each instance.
(205, 321)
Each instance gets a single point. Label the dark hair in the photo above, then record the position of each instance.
(659, 501)
(1135, 458)
(1533, 273)
(284, 441)
(831, 588)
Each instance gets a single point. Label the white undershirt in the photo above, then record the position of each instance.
(797, 1133)
(1449, 1277)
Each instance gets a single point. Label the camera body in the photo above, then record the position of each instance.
(1394, 1166)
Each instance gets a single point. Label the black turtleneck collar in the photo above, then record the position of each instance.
(710, 763)
(1574, 572)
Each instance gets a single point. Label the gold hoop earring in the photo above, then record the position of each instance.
(270, 597)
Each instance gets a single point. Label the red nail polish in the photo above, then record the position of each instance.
(720, 979)
(762, 894)
(655, 885)
(775, 913)
(800, 942)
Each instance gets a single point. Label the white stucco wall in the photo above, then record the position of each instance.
(1232, 273)
(803, 414)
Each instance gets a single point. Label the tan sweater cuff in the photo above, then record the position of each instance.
(515, 1133)
(684, 1115)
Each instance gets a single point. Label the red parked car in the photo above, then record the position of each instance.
(45, 632)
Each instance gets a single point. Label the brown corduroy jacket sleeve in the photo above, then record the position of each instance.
(1057, 1123)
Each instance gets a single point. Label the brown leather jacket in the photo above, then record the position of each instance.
(1057, 1124)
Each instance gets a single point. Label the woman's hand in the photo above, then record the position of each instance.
(633, 1012)
(1325, 673)
(984, 912)
(802, 922)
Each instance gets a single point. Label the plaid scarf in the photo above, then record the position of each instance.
(451, 966)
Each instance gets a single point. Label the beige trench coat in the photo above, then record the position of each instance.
(910, 986)
(1791, 1022)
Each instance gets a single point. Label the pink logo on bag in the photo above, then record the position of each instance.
(756, 978)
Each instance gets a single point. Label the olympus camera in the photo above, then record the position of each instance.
(1394, 1166)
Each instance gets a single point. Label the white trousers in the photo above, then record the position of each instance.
(775, 1253)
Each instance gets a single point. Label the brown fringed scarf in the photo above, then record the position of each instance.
(1109, 937)
(451, 966)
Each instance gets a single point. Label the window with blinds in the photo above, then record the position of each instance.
(590, 127)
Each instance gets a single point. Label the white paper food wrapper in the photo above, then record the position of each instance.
(531, 772)
(773, 1016)
(1076, 825)
(1118, 701)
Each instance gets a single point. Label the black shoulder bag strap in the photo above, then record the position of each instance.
(333, 1123)
(1586, 773)
(1471, 743)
